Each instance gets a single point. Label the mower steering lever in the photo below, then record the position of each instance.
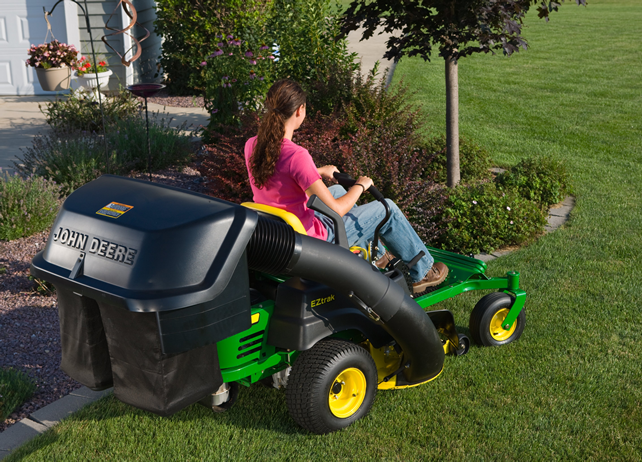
(347, 181)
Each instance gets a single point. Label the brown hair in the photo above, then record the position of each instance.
(282, 100)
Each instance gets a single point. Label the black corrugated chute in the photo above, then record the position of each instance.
(271, 247)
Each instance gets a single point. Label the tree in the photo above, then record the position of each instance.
(458, 27)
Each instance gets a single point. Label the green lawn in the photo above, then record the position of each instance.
(571, 388)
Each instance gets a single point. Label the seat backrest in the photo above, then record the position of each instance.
(290, 218)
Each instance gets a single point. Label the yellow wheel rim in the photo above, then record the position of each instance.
(347, 393)
(496, 329)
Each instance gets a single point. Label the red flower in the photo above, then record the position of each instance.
(102, 63)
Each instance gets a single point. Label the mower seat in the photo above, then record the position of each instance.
(289, 218)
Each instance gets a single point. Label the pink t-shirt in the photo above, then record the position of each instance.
(294, 173)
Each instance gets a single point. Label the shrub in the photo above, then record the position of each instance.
(474, 161)
(189, 31)
(72, 160)
(27, 205)
(311, 53)
(15, 388)
(237, 74)
(128, 140)
(541, 179)
(481, 218)
(78, 113)
(224, 162)
(380, 150)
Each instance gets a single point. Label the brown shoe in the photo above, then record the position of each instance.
(384, 260)
(436, 275)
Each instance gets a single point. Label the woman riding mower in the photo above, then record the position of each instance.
(283, 174)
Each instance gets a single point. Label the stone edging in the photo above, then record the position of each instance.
(45, 418)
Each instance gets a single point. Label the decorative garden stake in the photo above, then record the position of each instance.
(145, 90)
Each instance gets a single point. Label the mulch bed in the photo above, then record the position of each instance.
(165, 99)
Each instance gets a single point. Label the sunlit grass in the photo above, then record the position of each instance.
(571, 388)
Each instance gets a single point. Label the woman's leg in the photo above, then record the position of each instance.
(399, 236)
(397, 233)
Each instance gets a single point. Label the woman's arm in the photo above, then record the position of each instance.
(343, 204)
(327, 172)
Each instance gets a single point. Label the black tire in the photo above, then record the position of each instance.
(485, 320)
(313, 385)
(464, 345)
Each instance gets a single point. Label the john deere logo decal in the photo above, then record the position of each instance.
(114, 210)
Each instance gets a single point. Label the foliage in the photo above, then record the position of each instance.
(42, 287)
(481, 218)
(474, 161)
(51, 55)
(72, 160)
(540, 179)
(375, 137)
(189, 31)
(78, 113)
(85, 66)
(460, 28)
(15, 388)
(238, 74)
(27, 205)
(311, 53)
(224, 162)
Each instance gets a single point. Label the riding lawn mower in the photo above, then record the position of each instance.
(173, 298)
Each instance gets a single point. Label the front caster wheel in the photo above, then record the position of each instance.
(332, 385)
(486, 321)
(464, 345)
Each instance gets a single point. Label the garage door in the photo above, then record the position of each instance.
(22, 23)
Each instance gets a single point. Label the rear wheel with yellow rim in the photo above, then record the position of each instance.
(487, 321)
(331, 385)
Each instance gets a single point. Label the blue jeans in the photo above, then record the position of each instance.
(397, 234)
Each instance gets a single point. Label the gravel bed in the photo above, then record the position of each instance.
(29, 327)
(163, 98)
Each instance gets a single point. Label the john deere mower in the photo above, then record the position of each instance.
(175, 298)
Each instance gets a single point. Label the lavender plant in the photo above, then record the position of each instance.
(27, 205)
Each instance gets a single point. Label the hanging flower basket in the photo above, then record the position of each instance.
(53, 62)
(54, 79)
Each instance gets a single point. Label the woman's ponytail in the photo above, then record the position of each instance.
(283, 99)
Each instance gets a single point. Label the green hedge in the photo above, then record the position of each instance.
(481, 218)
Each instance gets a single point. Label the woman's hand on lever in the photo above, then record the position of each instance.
(343, 204)
(327, 172)
(364, 181)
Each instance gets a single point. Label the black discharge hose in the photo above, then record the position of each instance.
(276, 249)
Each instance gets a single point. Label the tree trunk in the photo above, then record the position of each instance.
(452, 122)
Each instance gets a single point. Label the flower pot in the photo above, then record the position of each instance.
(89, 80)
(54, 79)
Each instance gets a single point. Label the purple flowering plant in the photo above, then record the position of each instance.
(236, 76)
(52, 55)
